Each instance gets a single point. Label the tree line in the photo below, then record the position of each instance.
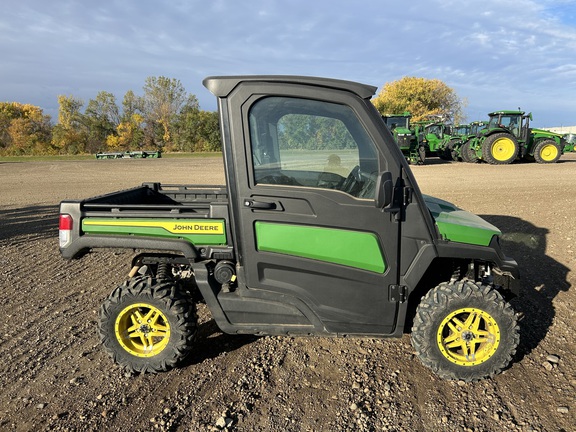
(167, 118)
(164, 118)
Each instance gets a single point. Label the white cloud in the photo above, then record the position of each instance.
(490, 50)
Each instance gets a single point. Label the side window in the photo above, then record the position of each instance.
(301, 142)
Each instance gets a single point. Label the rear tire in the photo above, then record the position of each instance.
(547, 151)
(465, 331)
(500, 149)
(148, 325)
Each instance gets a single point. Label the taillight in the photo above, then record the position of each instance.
(65, 227)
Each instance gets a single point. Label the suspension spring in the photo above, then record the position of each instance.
(163, 271)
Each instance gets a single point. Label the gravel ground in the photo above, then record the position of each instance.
(56, 376)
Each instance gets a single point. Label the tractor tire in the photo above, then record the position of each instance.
(453, 151)
(444, 154)
(500, 149)
(465, 331)
(447, 150)
(421, 155)
(467, 154)
(547, 151)
(148, 325)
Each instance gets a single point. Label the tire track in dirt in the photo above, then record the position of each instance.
(55, 376)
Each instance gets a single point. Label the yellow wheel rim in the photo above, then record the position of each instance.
(503, 149)
(468, 337)
(549, 152)
(142, 330)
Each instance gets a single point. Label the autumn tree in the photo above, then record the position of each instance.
(70, 135)
(423, 98)
(129, 134)
(165, 116)
(24, 129)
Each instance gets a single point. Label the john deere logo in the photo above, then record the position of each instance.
(196, 228)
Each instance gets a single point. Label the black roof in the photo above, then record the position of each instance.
(221, 86)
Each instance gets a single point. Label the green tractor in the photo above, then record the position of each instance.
(463, 149)
(446, 146)
(509, 136)
(432, 135)
(406, 137)
(570, 139)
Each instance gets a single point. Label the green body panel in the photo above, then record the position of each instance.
(458, 225)
(338, 246)
(196, 231)
(536, 135)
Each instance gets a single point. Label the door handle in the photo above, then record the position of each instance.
(260, 205)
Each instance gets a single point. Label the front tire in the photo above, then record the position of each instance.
(465, 331)
(467, 153)
(547, 151)
(148, 325)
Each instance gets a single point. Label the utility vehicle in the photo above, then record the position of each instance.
(321, 229)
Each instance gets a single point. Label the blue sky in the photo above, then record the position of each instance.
(497, 54)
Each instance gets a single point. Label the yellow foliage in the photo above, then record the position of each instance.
(127, 134)
(422, 97)
(24, 129)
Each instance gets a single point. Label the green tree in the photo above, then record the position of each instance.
(208, 134)
(309, 132)
(162, 101)
(101, 117)
(422, 97)
(196, 130)
(131, 104)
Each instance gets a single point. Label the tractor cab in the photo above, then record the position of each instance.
(406, 138)
(476, 127)
(397, 121)
(460, 130)
(515, 122)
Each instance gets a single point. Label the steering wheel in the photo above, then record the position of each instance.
(353, 183)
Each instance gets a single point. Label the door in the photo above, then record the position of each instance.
(307, 229)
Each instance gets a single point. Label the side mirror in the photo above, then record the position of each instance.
(384, 189)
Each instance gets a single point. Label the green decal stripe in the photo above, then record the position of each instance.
(465, 234)
(349, 248)
(196, 231)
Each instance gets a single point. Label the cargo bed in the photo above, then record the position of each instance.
(192, 220)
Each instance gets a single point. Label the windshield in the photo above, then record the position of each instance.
(504, 120)
(396, 121)
(462, 130)
(434, 129)
(477, 128)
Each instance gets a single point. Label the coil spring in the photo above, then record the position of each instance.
(163, 271)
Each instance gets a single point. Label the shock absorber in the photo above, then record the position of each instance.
(163, 272)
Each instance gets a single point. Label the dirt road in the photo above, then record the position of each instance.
(55, 376)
